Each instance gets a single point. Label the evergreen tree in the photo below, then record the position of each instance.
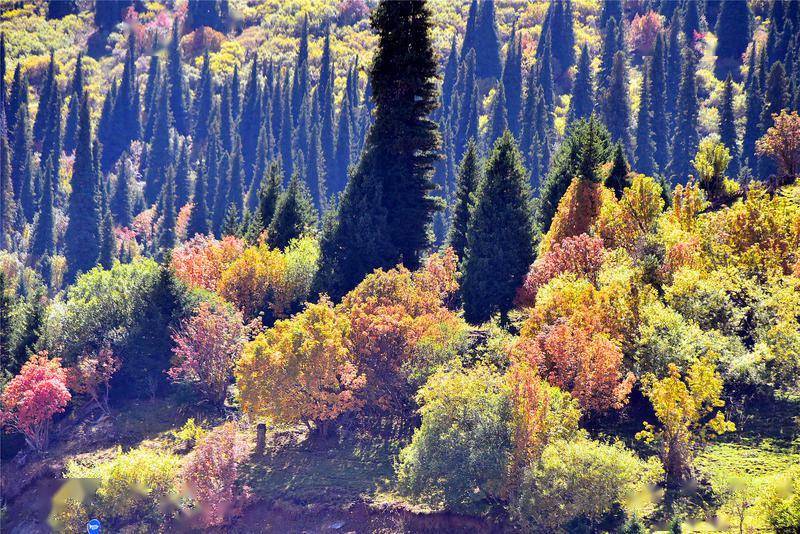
(469, 173)
(235, 180)
(250, 123)
(51, 145)
(512, 82)
(499, 237)
(204, 100)
(752, 127)
(58, 9)
(469, 33)
(300, 74)
(581, 104)
(733, 35)
(658, 103)
(776, 98)
(342, 155)
(610, 9)
(315, 178)
(182, 184)
(294, 215)
(612, 43)
(41, 123)
(487, 44)
(154, 77)
(727, 127)
(8, 206)
(21, 165)
(71, 127)
(559, 32)
(466, 122)
(159, 156)
(210, 13)
(287, 130)
(178, 94)
(259, 167)
(684, 138)
(212, 164)
(645, 147)
(18, 96)
(8, 363)
(545, 77)
(122, 201)
(270, 192)
(167, 237)
(615, 104)
(674, 66)
(618, 179)
(108, 13)
(108, 241)
(449, 77)
(82, 236)
(498, 119)
(221, 195)
(586, 147)
(125, 125)
(198, 220)
(226, 128)
(691, 21)
(44, 236)
(236, 100)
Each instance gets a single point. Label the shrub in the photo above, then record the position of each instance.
(579, 480)
(459, 455)
(200, 261)
(31, 399)
(211, 473)
(92, 375)
(781, 504)
(135, 484)
(206, 347)
(577, 211)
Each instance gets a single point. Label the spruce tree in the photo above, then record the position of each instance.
(727, 127)
(125, 126)
(122, 201)
(341, 160)
(226, 128)
(315, 177)
(178, 94)
(645, 147)
(581, 104)
(203, 102)
(198, 219)
(210, 13)
(42, 121)
(167, 236)
(287, 130)
(8, 206)
(449, 77)
(108, 13)
(71, 126)
(752, 127)
(776, 98)
(615, 105)
(673, 65)
(18, 96)
(82, 237)
(586, 147)
(468, 43)
(466, 125)
(469, 173)
(498, 120)
(43, 240)
(236, 100)
(487, 44)
(512, 82)
(250, 122)
(691, 21)
(658, 103)
(182, 184)
(294, 215)
(499, 236)
(235, 180)
(612, 43)
(159, 156)
(259, 167)
(618, 179)
(733, 35)
(270, 192)
(221, 195)
(684, 138)
(51, 145)
(21, 165)
(300, 73)
(610, 9)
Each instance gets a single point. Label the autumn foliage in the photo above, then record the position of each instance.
(581, 255)
(92, 375)
(782, 143)
(577, 211)
(206, 347)
(31, 399)
(201, 261)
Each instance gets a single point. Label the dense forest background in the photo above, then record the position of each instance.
(455, 266)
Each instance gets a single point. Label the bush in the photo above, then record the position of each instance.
(135, 484)
(575, 480)
(459, 455)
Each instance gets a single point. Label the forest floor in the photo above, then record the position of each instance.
(346, 482)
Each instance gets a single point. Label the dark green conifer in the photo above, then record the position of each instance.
(658, 103)
(44, 237)
(294, 215)
(512, 82)
(342, 155)
(198, 219)
(645, 147)
(618, 178)
(582, 104)
(498, 121)
(21, 165)
(159, 156)
(167, 236)
(685, 138)
(469, 173)
(270, 192)
(178, 92)
(616, 107)
(122, 201)
(499, 237)
(727, 127)
(733, 31)
(182, 184)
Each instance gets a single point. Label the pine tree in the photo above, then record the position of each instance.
(498, 119)
(198, 220)
(259, 167)
(250, 123)
(18, 96)
(684, 138)
(82, 236)
(8, 206)
(226, 128)
(122, 201)
(287, 130)
(674, 66)
(167, 237)
(236, 100)
(300, 74)
(558, 29)
(610, 9)
(341, 160)
(727, 127)
(466, 126)
(469, 174)
(8, 361)
(645, 147)
(612, 43)
(512, 82)
(125, 126)
(210, 13)
(235, 180)
(752, 127)
(499, 237)
(41, 123)
(449, 77)
(618, 179)
(469, 33)
(581, 104)
(221, 195)
(545, 77)
(294, 215)
(691, 21)
(776, 98)
(108, 14)
(178, 94)
(733, 35)
(615, 104)
(315, 178)
(658, 96)
(71, 127)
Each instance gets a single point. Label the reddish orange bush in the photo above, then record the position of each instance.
(576, 213)
(200, 261)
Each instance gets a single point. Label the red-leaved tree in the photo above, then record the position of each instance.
(206, 347)
(92, 376)
(210, 473)
(200, 261)
(587, 364)
(31, 399)
(581, 255)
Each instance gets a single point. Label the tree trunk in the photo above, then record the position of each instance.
(261, 438)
